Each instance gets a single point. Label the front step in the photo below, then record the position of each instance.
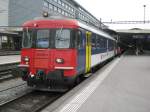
(87, 75)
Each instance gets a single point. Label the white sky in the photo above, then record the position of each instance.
(117, 10)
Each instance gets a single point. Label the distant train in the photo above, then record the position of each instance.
(57, 52)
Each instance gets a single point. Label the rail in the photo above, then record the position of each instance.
(33, 101)
(5, 53)
(6, 70)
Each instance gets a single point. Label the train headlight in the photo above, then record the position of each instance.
(26, 59)
(59, 60)
(45, 14)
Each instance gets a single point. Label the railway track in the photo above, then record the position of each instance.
(5, 71)
(31, 102)
(6, 53)
(9, 94)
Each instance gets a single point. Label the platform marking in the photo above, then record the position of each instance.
(75, 103)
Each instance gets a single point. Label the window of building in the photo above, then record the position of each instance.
(79, 15)
(66, 14)
(66, 6)
(46, 4)
(69, 7)
(4, 39)
(50, 6)
(63, 4)
(82, 16)
(72, 16)
(59, 10)
(55, 8)
(63, 12)
(72, 9)
(59, 2)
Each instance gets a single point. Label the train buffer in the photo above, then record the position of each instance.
(120, 86)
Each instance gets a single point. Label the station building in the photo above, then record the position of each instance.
(14, 13)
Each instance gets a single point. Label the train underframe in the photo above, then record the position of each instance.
(52, 81)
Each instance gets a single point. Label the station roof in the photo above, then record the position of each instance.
(6, 33)
(134, 31)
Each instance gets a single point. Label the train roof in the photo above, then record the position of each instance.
(65, 23)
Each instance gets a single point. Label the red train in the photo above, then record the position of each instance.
(57, 52)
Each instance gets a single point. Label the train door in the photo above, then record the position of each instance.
(88, 52)
(81, 38)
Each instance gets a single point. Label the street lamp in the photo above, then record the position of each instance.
(144, 12)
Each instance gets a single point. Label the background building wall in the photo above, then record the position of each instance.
(4, 12)
(0, 42)
(23, 10)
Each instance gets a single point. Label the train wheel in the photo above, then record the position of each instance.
(93, 70)
(78, 80)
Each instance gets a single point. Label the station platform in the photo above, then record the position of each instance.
(6, 52)
(123, 86)
(9, 59)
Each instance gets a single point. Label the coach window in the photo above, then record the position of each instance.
(110, 45)
(105, 43)
(42, 40)
(97, 41)
(93, 43)
(102, 43)
(79, 40)
(62, 38)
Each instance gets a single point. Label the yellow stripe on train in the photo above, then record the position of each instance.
(88, 51)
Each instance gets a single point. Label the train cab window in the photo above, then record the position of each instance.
(42, 40)
(27, 38)
(62, 38)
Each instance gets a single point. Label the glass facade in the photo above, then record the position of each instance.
(61, 7)
(65, 8)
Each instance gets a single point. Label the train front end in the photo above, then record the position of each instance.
(48, 56)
